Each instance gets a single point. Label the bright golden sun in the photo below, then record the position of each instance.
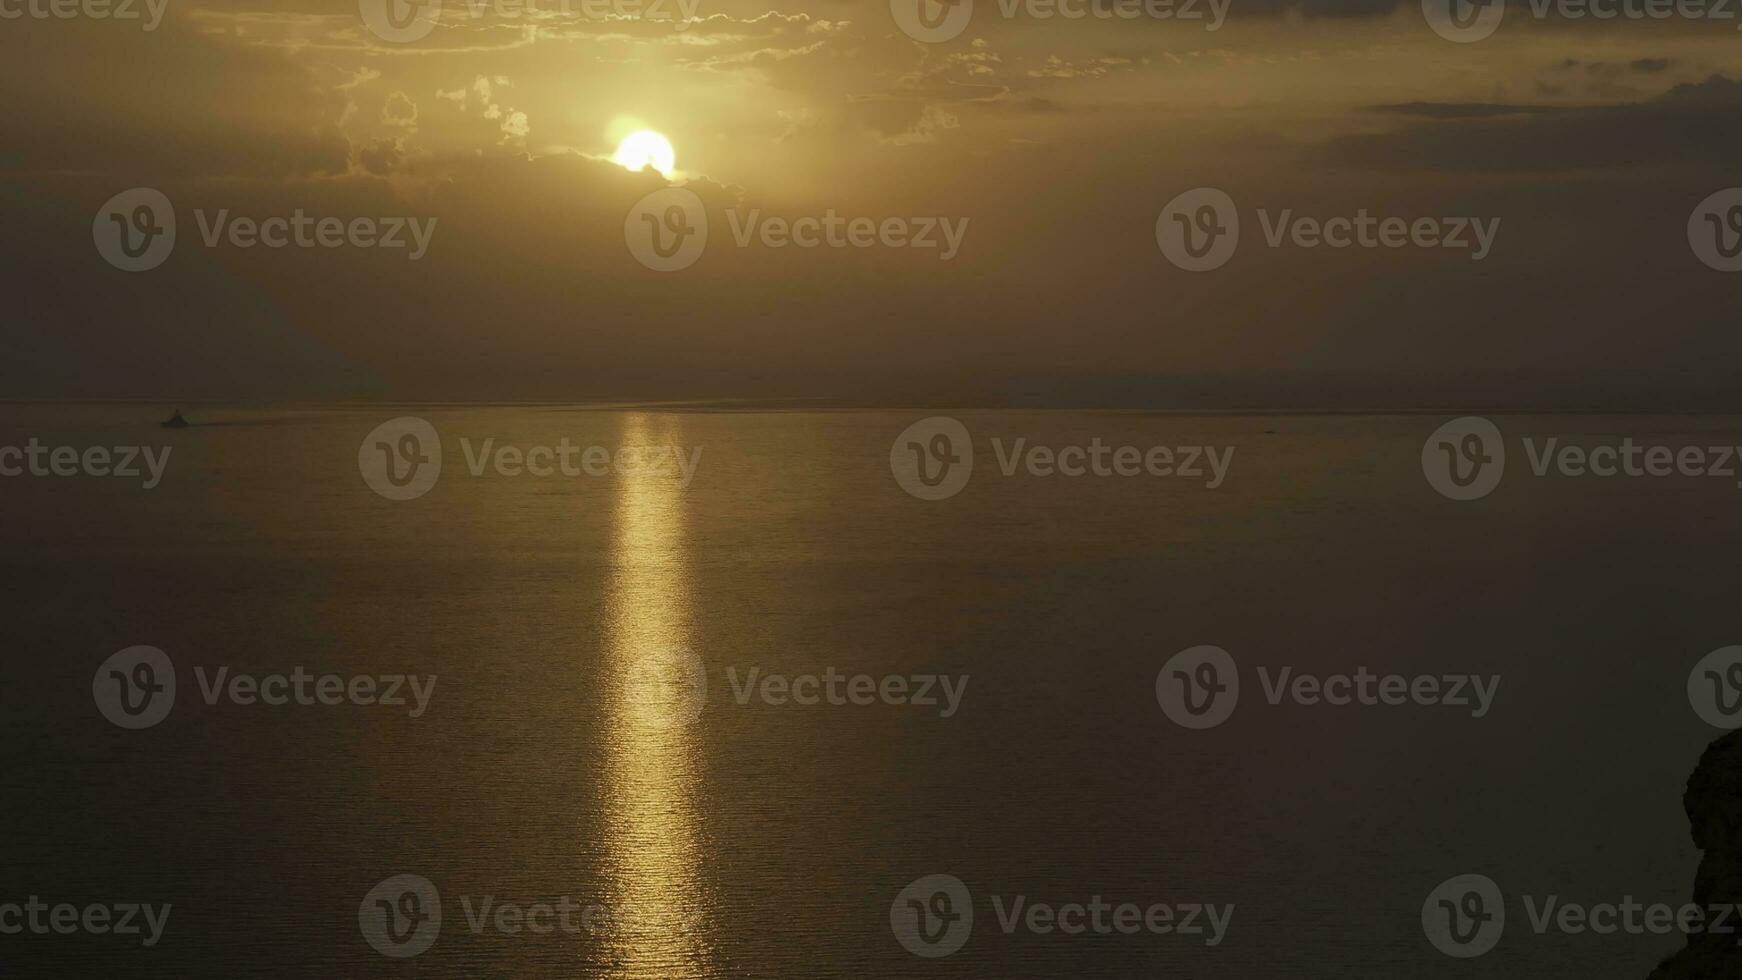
(645, 148)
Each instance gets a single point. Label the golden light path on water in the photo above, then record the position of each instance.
(653, 839)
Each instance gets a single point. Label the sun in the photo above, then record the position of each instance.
(645, 148)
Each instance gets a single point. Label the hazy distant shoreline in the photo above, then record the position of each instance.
(821, 406)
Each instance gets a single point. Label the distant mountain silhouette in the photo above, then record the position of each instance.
(1713, 802)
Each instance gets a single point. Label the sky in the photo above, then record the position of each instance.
(1055, 149)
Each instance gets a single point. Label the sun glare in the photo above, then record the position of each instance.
(645, 148)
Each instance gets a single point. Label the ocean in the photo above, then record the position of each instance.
(725, 699)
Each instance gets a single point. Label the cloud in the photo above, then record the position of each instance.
(1690, 125)
(1462, 110)
(172, 103)
(379, 157)
(514, 125)
(399, 111)
(1057, 67)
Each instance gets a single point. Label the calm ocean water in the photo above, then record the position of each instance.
(557, 760)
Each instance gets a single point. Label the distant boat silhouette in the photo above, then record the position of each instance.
(175, 421)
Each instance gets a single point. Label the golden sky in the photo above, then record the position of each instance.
(1057, 141)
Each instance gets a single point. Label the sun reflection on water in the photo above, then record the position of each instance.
(654, 837)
